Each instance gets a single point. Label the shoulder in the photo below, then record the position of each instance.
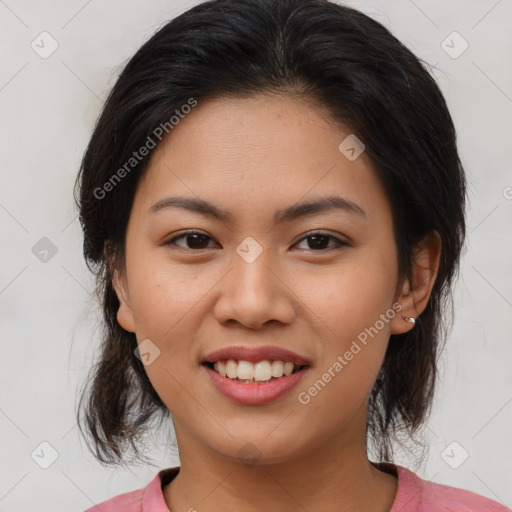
(149, 498)
(419, 495)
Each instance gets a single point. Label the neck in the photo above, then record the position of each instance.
(337, 472)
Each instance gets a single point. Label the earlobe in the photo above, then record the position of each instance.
(416, 293)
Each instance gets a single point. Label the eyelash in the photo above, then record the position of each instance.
(340, 243)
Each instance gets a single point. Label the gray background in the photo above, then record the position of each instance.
(49, 319)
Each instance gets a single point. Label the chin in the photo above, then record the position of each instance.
(252, 450)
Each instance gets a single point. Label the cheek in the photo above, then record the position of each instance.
(166, 301)
(163, 294)
(351, 296)
(355, 304)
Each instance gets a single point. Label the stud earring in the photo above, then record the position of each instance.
(409, 319)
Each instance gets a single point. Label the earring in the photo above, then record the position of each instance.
(409, 319)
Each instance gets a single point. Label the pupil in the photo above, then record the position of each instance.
(317, 241)
(197, 239)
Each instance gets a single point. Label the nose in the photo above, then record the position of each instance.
(255, 293)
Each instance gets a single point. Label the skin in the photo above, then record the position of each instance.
(252, 157)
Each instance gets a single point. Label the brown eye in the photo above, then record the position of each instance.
(319, 241)
(193, 240)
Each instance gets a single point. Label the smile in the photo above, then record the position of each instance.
(253, 372)
(253, 392)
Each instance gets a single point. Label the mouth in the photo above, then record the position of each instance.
(255, 375)
(250, 372)
(255, 364)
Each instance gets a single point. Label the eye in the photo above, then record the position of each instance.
(195, 239)
(198, 240)
(318, 240)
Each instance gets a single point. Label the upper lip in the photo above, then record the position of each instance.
(255, 354)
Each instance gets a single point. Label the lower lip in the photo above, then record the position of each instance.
(253, 394)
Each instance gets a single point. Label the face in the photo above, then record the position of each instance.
(268, 277)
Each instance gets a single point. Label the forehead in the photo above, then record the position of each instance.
(258, 151)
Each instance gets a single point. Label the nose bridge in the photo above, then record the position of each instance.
(253, 274)
(255, 293)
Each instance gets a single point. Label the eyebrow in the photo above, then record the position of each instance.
(322, 204)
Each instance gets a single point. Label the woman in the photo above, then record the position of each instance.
(273, 203)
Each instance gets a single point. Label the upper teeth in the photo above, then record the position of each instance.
(260, 371)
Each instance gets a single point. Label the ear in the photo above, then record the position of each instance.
(124, 313)
(415, 294)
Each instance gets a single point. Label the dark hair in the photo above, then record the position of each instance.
(322, 52)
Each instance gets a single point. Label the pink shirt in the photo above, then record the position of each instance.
(414, 495)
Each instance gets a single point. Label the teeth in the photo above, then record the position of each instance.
(288, 368)
(277, 368)
(220, 366)
(231, 369)
(246, 371)
(262, 371)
